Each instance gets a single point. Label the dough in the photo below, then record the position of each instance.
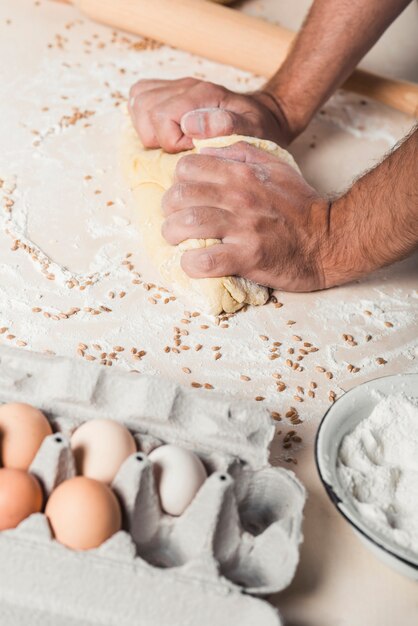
(150, 174)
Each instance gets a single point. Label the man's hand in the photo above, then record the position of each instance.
(278, 231)
(170, 113)
(273, 225)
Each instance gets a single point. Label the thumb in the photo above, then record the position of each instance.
(215, 122)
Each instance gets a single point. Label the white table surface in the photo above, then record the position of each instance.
(56, 60)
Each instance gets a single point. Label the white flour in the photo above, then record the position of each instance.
(378, 466)
(68, 282)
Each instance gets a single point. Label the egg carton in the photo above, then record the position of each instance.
(238, 539)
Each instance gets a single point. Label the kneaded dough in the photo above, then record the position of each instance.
(150, 173)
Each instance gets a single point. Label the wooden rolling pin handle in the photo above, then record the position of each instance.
(400, 95)
(231, 37)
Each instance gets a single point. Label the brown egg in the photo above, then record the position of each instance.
(83, 513)
(22, 430)
(20, 496)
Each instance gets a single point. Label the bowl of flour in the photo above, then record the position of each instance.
(367, 457)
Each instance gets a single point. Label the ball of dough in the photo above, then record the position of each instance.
(150, 173)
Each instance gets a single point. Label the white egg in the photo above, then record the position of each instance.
(100, 446)
(179, 475)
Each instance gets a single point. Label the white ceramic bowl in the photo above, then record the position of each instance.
(340, 419)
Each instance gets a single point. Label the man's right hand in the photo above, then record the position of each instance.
(170, 113)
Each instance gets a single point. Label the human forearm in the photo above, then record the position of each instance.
(335, 36)
(278, 231)
(376, 222)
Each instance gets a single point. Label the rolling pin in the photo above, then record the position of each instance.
(231, 37)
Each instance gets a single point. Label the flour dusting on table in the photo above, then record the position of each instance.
(74, 279)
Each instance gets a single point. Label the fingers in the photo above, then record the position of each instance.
(157, 108)
(167, 131)
(169, 114)
(215, 168)
(142, 123)
(185, 195)
(218, 260)
(204, 168)
(141, 87)
(153, 108)
(243, 152)
(154, 115)
(214, 122)
(196, 223)
(144, 86)
(250, 165)
(165, 121)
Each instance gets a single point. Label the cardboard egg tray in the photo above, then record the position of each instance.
(238, 539)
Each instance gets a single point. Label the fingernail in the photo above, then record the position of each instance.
(193, 123)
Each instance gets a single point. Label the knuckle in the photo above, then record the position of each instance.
(245, 198)
(242, 145)
(171, 198)
(148, 141)
(144, 103)
(206, 262)
(187, 81)
(257, 252)
(137, 87)
(193, 217)
(168, 143)
(253, 174)
(177, 193)
(260, 173)
(235, 198)
(184, 166)
(248, 151)
(257, 249)
(167, 135)
(228, 122)
(243, 171)
(207, 86)
(219, 89)
(142, 82)
(154, 114)
(251, 256)
(250, 199)
(146, 135)
(251, 224)
(168, 232)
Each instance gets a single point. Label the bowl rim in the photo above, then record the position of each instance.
(335, 498)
